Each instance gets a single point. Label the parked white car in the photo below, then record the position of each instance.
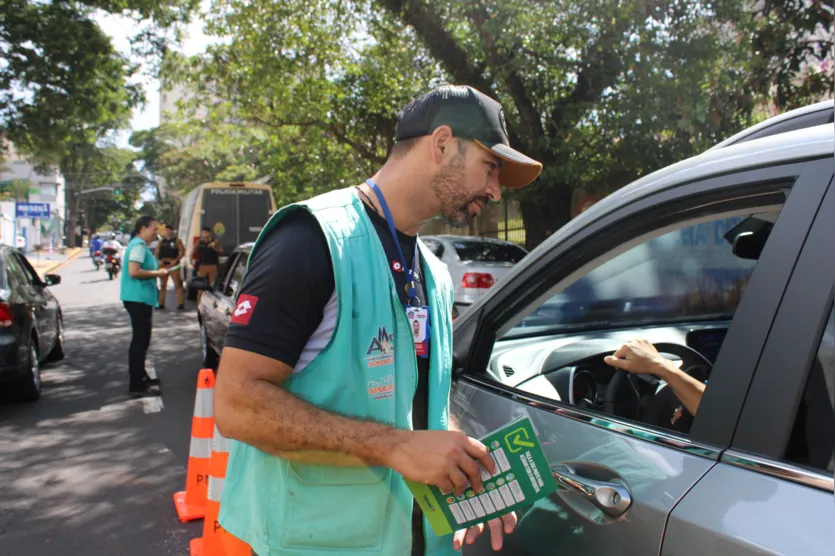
(475, 263)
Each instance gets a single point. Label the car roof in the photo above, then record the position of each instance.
(807, 116)
(450, 238)
(802, 144)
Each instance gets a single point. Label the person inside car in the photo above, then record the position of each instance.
(641, 357)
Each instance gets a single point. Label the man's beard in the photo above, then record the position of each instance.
(449, 186)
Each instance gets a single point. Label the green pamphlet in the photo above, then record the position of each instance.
(522, 476)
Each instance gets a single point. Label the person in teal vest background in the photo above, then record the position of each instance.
(140, 296)
(329, 391)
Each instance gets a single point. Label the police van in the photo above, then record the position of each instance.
(234, 211)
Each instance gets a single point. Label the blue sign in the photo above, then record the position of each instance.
(31, 210)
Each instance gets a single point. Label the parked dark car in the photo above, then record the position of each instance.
(218, 302)
(31, 327)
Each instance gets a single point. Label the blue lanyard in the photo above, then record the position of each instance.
(410, 272)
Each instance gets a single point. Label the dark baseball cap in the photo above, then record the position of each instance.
(471, 115)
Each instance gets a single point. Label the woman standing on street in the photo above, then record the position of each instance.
(140, 297)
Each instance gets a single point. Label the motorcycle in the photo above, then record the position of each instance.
(97, 259)
(112, 262)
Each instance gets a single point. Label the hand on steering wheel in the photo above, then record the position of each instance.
(641, 357)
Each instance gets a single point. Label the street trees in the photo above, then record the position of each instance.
(64, 89)
(601, 91)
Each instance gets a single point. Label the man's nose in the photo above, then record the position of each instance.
(494, 190)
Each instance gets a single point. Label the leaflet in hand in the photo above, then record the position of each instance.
(522, 476)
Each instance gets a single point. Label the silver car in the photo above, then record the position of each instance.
(725, 261)
(475, 263)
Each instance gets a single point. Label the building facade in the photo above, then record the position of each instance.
(20, 182)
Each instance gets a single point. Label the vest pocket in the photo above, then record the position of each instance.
(335, 507)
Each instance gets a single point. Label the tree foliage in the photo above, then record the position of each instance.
(61, 73)
(64, 89)
(792, 46)
(601, 91)
(90, 165)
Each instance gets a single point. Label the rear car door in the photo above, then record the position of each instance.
(772, 491)
(591, 448)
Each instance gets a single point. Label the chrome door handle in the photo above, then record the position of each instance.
(612, 498)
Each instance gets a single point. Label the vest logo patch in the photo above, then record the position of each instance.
(381, 390)
(244, 308)
(380, 351)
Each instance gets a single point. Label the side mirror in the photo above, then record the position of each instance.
(199, 283)
(748, 245)
(52, 279)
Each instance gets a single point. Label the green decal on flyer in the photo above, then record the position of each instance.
(522, 476)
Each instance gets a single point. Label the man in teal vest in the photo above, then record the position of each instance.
(331, 392)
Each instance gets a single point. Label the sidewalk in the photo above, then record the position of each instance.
(46, 263)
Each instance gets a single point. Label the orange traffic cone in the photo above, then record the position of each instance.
(191, 503)
(216, 540)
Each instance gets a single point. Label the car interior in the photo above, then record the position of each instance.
(679, 290)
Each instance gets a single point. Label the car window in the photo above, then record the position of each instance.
(236, 278)
(812, 441)
(435, 246)
(15, 271)
(31, 274)
(488, 251)
(689, 273)
(684, 281)
(225, 272)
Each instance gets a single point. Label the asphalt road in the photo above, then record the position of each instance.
(86, 470)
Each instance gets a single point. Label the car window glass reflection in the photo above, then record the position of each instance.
(688, 282)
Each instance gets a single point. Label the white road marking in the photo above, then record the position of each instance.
(149, 405)
(152, 405)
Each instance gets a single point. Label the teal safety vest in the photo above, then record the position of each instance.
(368, 370)
(133, 289)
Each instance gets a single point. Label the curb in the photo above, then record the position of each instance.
(74, 253)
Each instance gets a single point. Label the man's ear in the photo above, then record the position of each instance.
(441, 143)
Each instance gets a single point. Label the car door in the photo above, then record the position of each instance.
(227, 293)
(772, 491)
(654, 242)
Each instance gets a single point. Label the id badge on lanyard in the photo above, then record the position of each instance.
(419, 321)
(416, 314)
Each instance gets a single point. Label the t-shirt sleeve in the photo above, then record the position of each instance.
(137, 254)
(291, 280)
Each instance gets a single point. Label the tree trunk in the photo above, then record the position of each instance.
(542, 218)
(72, 219)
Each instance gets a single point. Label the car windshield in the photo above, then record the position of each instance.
(694, 273)
(488, 251)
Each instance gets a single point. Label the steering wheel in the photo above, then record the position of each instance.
(624, 400)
